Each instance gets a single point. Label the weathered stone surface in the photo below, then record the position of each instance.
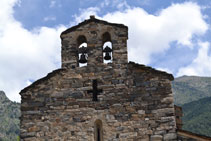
(156, 138)
(170, 136)
(136, 102)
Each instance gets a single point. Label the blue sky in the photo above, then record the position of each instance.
(170, 35)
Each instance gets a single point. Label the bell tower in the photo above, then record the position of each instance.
(94, 42)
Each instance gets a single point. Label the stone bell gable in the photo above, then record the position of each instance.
(95, 33)
(100, 101)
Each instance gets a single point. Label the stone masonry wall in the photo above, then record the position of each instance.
(136, 103)
(131, 107)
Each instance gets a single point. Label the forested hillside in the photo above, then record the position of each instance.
(193, 94)
(9, 119)
(191, 88)
(197, 116)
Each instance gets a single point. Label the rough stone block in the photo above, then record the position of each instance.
(170, 136)
(156, 138)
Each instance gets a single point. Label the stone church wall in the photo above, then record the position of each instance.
(135, 104)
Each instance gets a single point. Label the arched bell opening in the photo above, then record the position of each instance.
(98, 130)
(107, 48)
(82, 51)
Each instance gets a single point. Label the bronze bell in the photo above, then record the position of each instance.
(107, 56)
(83, 58)
(107, 51)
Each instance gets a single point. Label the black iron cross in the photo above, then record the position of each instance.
(95, 90)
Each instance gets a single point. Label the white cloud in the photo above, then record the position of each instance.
(49, 18)
(201, 65)
(105, 3)
(144, 2)
(85, 14)
(24, 54)
(52, 3)
(119, 4)
(165, 69)
(152, 34)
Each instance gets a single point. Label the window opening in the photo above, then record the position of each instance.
(98, 133)
(98, 130)
(107, 52)
(82, 51)
(107, 48)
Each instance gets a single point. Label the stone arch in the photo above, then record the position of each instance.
(81, 39)
(106, 37)
(82, 42)
(107, 42)
(98, 130)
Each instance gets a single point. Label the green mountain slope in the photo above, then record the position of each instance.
(197, 116)
(190, 88)
(9, 118)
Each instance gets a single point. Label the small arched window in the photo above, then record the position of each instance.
(98, 130)
(107, 48)
(82, 51)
